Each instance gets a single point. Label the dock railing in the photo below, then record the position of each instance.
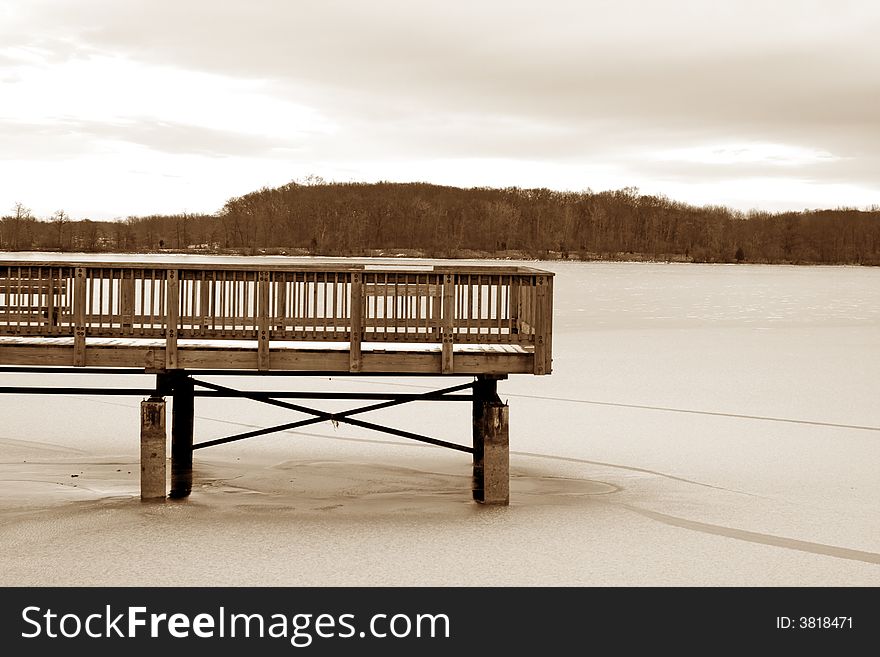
(357, 303)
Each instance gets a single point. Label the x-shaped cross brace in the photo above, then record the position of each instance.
(344, 417)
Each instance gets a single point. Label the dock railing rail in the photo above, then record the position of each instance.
(360, 303)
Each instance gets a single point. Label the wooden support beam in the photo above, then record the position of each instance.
(491, 482)
(182, 416)
(153, 446)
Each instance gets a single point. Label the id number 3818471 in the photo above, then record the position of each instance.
(814, 622)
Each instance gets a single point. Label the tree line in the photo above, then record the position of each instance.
(420, 219)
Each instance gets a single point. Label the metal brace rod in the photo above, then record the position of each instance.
(261, 397)
(258, 432)
(141, 392)
(318, 420)
(344, 417)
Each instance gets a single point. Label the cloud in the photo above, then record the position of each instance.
(599, 87)
(63, 139)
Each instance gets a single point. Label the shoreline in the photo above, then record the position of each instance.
(460, 254)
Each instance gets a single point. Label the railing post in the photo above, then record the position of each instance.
(356, 306)
(172, 310)
(548, 326)
(447, 335)
(79, 317)
(543, 322)
(263, 322)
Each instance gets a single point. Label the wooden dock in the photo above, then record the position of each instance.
(484, 322)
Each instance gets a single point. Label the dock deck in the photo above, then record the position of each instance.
(357, 318)
(178, 321)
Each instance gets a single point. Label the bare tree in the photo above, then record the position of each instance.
(62, 224)
(18, 230)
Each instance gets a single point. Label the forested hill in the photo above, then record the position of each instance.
(430, 220)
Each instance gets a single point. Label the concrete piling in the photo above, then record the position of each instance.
(182, 416)
(496, 454)
(153, 449)
(491, 443)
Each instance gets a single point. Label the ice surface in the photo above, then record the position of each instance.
(703, 425)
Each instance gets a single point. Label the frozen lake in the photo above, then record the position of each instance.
(704, 425)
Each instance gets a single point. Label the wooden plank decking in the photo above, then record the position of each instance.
(320, 317)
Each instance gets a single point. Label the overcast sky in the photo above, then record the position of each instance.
(112, 108)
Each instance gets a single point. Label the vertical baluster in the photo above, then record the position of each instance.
(280, 301)
(383, 300)
(7, 295)
(40, 302)
(212, 307)
(251, 301)
(153, 308)
(90, 283)
(163, 315)
(17, 296)
(437, 306)
(235, 292)
(223, 310)
(294, 291)
(52, 301)
(138, 310)
(406, 306)
(127, 297)
(373, 295)
(115, 295)
(470, 304)
(479, 320)
(428, 303)
(346, 303)
(335, 302)
(325, 300)
(508, 314)
(498, 307)
(313, 314)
